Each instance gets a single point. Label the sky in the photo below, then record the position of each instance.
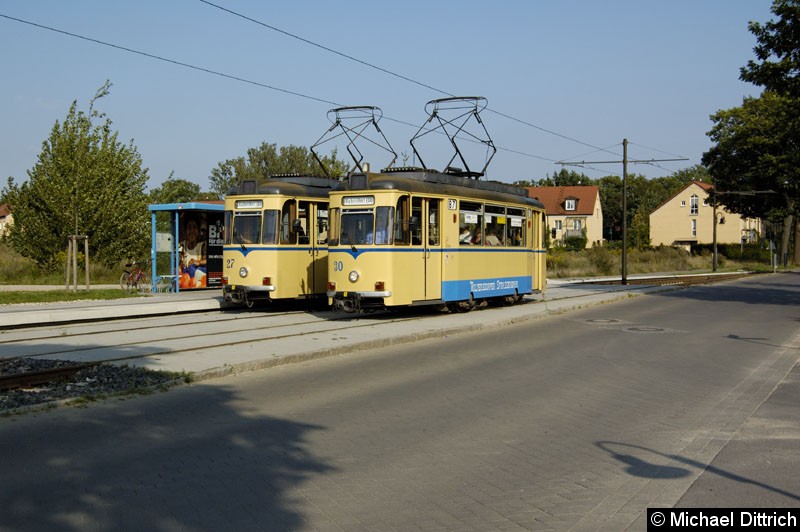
(564, 80)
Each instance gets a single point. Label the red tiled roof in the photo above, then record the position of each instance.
(5, 210)
(553, 198)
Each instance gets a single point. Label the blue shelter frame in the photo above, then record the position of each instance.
(174, 209)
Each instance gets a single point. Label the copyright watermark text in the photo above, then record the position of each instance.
(664, 519)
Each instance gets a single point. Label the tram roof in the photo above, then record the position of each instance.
(431, 182)
(291, 185)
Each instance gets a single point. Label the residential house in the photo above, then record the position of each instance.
(688, 218)
(572, 211)
(6, 219)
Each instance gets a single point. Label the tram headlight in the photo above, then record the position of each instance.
(242, 272)
(353, 276)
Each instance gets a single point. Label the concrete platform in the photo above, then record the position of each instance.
(572, 294)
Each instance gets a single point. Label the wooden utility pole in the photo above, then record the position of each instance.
(624, 161)
(624, 276)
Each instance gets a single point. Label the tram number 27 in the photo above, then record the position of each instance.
(338, 266)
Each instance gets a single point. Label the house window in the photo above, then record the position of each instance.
(558, 225)
(693, 204)
(576, 225)
(683, 203)
(569, 205)
(694, 227)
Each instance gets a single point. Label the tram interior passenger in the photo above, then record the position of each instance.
(297, 228)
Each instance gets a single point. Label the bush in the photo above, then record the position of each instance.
(603, 260)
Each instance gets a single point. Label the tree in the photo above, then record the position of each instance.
(84, 182)
(777, 69)
(175, 191)
(757, 150)
(266, 160)
(778, 51)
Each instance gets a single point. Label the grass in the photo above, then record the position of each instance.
(53, 296)
(602, 262)
(594, 262)
(17, 270)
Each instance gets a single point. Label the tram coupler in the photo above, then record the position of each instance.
(350, 303)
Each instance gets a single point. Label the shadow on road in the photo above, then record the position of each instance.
(646, 465)
(192, 459)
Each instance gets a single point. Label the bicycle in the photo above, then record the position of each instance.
(132, 277)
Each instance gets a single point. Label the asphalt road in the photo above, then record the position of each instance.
(578, 421)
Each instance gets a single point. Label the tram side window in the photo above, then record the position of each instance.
(301, 225)
(287, 236)
(495, 228)
(333, 230)
(270, 234)
(433, 222)
(402, 234)
(322, 225)
(384, 221)
(470, 223)
(246, 227)
(516, 227)
(415, 224)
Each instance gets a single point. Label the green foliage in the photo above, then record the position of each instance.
(756, 149)
(756, 144)
(575, 243)
(640, 229)
(266, 160)
(778, 51)
(84, 181)
(603, 260)
(175, 191)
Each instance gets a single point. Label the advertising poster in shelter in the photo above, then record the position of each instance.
(200, 249)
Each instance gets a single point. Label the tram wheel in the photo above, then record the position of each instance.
(461, 306)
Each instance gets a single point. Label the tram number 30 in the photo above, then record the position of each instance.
(338, 266)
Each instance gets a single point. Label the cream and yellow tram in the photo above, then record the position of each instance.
(276, 239)
(419, 237)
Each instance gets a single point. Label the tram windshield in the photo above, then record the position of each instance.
(247, 227)
(365, 226)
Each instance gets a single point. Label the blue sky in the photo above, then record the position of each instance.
(594, 72)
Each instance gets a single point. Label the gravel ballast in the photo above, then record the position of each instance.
(91, 383)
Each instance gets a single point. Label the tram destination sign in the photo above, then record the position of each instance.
(360, 201)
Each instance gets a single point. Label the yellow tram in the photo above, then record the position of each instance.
(411, 236)
(275, 242)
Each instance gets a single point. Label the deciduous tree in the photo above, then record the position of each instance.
(266, 160)
(85, 181)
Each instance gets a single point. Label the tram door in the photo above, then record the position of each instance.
(314, 234)
(426, 214)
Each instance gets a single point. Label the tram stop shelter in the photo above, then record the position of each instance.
(191, 233)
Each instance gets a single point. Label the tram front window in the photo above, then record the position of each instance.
(357, 227)
(246, 227)
(365, 227)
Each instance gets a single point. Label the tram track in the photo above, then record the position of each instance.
(249, 330)
(84, 351)
(678, 280)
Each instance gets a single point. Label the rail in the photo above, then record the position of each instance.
(678, 280)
